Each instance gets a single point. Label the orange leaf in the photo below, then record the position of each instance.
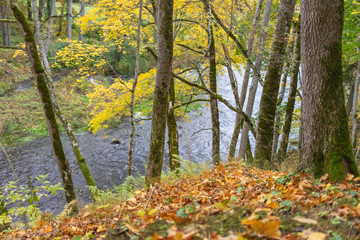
(268, 229)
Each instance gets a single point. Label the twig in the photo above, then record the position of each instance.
(203, 129)
(150, 196)
(9, 47)
(192, 101)
(9, 161)
(8, 20)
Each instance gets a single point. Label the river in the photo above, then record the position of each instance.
(108, 162)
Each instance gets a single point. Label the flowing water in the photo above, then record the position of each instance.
(108, 162)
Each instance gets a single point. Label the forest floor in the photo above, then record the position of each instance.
(228, 202)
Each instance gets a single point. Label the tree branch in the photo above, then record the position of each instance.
(9, 47)
(192, 101)
(189, 48)
(8, 20)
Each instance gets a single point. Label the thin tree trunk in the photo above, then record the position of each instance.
(41, 8)
(61, 18)
(354, 108)
(213, 101)
(5, 25)
(49, 35)
(164, 20)
(74, 143)
(254, 83)
(279, 101)
(132, 101)
(327, 147)
(291, 99)
(69, 19)
(82, 13)
(265, 127)
(173, 135)
(235, 91)
(350, 100)
(44, 93)
(238, 120)
(48, 8)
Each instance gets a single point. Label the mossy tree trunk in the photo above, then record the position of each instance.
(265, 128)
(164, 20)
(291, 99)
(238, 119)
(48, 108)
(173, 135)
(327, 147)
(133, 89)
(213, 100)
(84, 168)
(280, 99)
(254, 83)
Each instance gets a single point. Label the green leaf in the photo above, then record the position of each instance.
(79, 237)
(240, 189)
(181, 213)
(286, 203)
(275, 193)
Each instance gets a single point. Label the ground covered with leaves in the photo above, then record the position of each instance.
(228, 202)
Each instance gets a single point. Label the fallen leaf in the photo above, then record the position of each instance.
(305, 220)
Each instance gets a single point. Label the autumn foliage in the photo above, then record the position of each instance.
(228, 202)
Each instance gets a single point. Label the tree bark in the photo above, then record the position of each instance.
(292, 97)
(132, 101)
(164, 20)
(61, 18)
(238, 119)
(327, 147)
(254, 83)
(48, 108)
(213, 100)
(280, 99)
(82, 13)
(6, 33)
(173, 135)
(69, 19)
(265, 128)
(354, 106)
(29, 11)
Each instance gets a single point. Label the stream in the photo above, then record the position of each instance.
(108, 162)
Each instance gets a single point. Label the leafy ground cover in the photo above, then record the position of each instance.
(228, 202)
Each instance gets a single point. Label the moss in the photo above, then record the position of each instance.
(159, 227)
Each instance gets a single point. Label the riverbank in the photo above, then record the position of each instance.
(229, 202)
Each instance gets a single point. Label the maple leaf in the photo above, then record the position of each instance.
(268, 229)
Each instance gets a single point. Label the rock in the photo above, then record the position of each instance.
(115, 141)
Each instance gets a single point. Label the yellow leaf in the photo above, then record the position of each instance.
(268, 229)
(305, 220)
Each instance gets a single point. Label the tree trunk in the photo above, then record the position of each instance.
(5, 25)
(291, 99)
(213, 101)
(69, 19)
(173, 135)
(61, 18)
(49, 35)
(354, 108)
(82, 13)
(74, 143)
(254, 83)
(265, 128)
(132, 101)
(279, 101)
(41, 8)
(238, 119)
(43, 90)
(327, 147)
(48, 8)
(164, 20)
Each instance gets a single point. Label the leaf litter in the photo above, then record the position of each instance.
(228, 202)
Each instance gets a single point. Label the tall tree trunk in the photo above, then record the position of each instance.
(6, 33)
(74, 143)
(164, 20)
(49, 34)
(41, 8)
(354, 108)
(61, 18)
(69, 19)
(265, 128)
(238, 119)
(280, 99)
(48, 8)
(132, 101)
(327, 146)
(213, 100)
(173, 135)
(254, 83)
(48, 108)
(82, 13)
(292, 97)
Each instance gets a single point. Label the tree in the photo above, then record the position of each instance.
(6, 33)
(265, 128)
(254, 83)
(82, 14)
(48, 108)
(327, 147)
(69, 18)
(291, 99)
(164, 19)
